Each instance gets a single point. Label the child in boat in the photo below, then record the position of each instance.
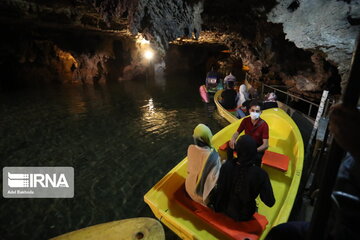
(203, 166)
(240, 182)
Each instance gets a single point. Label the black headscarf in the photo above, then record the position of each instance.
(246, 149)
(233, 183)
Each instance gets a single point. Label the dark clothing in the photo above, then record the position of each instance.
(259, 131)
(259, 157)
(229, 99)
(289, 230)
(241, 206)
(246, 104)
(343, 220)
(240, 182)
(347, 195)
(267, 105)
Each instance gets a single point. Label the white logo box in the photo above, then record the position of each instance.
(38, 182)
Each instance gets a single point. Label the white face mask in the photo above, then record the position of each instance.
(254, 115)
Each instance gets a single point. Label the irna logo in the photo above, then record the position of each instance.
(38, 182)
(19, 180)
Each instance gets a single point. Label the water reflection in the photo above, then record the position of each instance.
(156, 119)
(128, 136)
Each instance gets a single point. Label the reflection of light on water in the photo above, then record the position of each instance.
(156, 119)
(77, 104)
(151, 106)
(77, 108)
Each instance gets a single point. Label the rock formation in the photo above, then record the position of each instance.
(321, 26)
(305, 45)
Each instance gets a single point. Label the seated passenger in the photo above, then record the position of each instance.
(203, 166)
(243, 101)
(212, 79)
(240, 182)
(270, 101)
(229, 97)
(256, 128)
(243, 95)
(229, 78)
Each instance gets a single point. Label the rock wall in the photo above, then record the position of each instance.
(305, 44)
(158, 20)
(321, 25)
(33, 55)
(250, 31)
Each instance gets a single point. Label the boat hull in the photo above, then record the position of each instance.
(204, 94)
(134, 228)
(285, 138)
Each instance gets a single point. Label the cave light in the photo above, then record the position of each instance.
(140, 39)
(149, 54)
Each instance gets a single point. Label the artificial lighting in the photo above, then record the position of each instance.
(149, 54)
(140, 39)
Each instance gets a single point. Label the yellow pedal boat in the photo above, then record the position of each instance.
(127, 229)
(285, 138)
(230, 117)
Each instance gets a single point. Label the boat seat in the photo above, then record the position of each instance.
(276, 160)
(251, 229)
(272, 159)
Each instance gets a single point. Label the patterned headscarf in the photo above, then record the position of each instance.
(203, 133)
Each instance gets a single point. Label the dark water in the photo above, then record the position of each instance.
(120, 139)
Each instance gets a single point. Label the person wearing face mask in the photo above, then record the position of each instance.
(256, 128)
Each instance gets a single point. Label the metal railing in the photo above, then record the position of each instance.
(311, 104)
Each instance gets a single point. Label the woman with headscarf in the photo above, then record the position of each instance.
(243, 101)
(270, 101)
(240, 182)
(203, 166)
(243, 95)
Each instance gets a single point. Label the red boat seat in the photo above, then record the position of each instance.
(251, 229)
(276, 160)
(272, 159)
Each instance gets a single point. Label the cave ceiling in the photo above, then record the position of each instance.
(304, 44)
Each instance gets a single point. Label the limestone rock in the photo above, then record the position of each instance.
(321, 25)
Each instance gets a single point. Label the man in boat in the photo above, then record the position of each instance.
(255, 127)
(203, 166)
(229, 97)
